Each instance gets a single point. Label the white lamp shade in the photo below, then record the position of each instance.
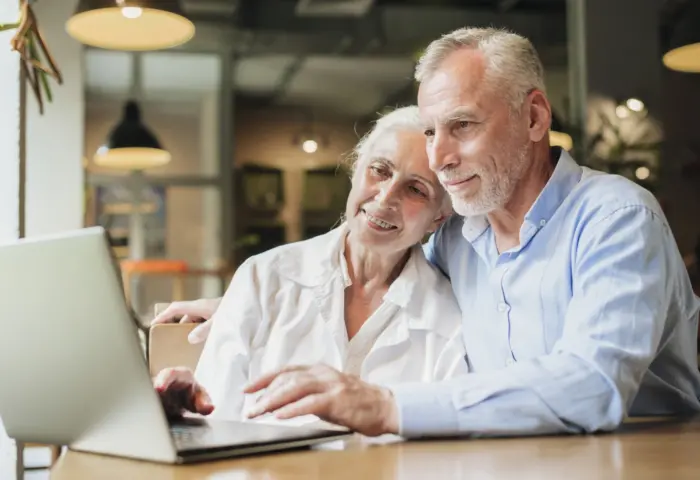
(131, 158)
(130, 25)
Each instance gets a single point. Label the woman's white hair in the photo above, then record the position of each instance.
(512, 63)
(403, 118)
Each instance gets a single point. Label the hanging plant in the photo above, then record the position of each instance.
(36, 60)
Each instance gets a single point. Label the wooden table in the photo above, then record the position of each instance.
(638, 451)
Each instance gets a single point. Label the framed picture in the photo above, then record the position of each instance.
(260, 188)
(326, 190)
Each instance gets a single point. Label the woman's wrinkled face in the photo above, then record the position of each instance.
(395, 198)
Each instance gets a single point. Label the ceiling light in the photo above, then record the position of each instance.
(309, 146)
(131, 145)
(642, 173)
(683, 40)
(130, 25)
(132, 12)
(561, 139)
(622, 111)
(635, 104)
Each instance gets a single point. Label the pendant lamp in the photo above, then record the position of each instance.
(130, 25)
(683, 40)
(131, 145)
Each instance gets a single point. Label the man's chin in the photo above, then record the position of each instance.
(470, 209)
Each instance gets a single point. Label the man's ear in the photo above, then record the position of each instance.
(540, 115)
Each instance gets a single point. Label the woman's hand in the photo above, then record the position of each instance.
(196, 311)
(179, 392)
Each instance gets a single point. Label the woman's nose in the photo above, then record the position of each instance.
(443, 152)
(388, 194)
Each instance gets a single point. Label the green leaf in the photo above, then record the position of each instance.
(45, 84)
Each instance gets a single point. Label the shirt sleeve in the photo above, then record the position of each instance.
(433, 248)
(452, 358)
(223, 365)
(613, 328)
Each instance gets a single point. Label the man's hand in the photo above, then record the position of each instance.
(196, 311)
(330, 395)
(180, 392)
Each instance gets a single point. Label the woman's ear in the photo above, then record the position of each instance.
(437, 222)
(444, 213)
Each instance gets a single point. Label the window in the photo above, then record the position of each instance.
(9, 174)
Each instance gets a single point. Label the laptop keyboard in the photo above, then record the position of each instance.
(194, 434)
(191, 435)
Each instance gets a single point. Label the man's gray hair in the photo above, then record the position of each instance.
(404, 118)
(512, 63)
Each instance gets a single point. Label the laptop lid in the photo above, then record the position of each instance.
(72, 368)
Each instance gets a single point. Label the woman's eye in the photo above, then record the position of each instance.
(417, 191)
(463, 124)
(429, 132)
(378, 170)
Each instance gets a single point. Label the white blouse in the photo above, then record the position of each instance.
(286, 307)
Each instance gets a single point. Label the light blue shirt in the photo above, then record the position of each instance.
(590, 319)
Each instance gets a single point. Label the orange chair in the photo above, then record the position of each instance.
(174, 268)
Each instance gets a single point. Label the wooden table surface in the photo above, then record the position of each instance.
(646, 450)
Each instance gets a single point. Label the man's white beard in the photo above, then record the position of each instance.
(494, 193)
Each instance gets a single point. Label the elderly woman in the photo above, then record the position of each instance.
(361, 298)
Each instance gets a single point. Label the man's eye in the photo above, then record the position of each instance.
(463, 124)
(429, 132)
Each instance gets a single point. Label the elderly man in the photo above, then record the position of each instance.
(577, 308)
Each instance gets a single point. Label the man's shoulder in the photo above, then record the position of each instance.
(449, 230)
(599, 195)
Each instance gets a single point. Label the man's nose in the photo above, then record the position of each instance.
(443, 152)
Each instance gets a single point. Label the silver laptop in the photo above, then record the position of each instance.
(72, 371)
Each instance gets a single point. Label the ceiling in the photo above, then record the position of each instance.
(287, 53)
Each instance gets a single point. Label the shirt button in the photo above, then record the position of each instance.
(543, 223)
(502, 307)
(510, 362)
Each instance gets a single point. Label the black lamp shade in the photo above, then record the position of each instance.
(131, 132)
(683, 39)
(131, 145)
(130, 25)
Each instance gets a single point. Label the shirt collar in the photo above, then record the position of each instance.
(343, 263)
(401, 289)
(323, 258)
(566, 175)
(317, 261)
